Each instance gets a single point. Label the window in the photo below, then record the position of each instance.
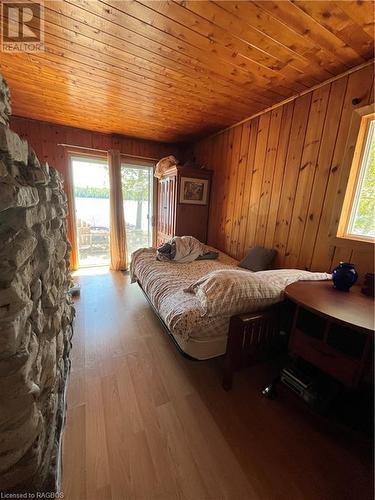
(358, 214)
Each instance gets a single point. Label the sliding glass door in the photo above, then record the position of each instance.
(137, 193)
(92, 210)
(91, 200)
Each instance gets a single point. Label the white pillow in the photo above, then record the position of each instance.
(284, 277)
(230, 292)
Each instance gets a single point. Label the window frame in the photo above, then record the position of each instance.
(362, 120)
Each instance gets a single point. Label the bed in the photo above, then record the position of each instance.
(198, 334)
(164, 283)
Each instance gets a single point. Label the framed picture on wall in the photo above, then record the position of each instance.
(193, 191)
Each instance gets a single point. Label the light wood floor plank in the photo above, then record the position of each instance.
(74, 449)
(97, 466)
(185, 463)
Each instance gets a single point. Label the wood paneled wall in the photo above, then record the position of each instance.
(46, 139)
(279, 179)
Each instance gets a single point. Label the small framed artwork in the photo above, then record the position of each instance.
(193, 191)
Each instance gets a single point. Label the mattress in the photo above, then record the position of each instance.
(164, 283)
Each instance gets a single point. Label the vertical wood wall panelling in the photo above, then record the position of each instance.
(257, 177)
(282, 150)
(268, 174)
(293, 163)
(232, 187)
(323, 169)
(240, 186)
(279, 179)
(306, 173)
(209, 161)
(217, 144)
(245, 208)
(223, 184)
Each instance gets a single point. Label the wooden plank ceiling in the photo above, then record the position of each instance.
(176, 70)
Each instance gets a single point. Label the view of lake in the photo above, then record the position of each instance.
(95, 211)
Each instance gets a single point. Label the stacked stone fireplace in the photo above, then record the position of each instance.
(35, 314)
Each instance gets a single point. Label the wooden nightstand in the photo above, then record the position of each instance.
(333, 330)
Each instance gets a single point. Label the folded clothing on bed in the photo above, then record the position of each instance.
(184, 249)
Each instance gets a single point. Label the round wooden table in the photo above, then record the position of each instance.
(333, 330)
(350, 308)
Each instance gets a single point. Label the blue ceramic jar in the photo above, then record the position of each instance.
(344, 276)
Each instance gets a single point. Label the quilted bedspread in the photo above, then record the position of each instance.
(164, 283)
(189, 314)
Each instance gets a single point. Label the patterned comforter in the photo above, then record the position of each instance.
(164, 284)
(184, 313)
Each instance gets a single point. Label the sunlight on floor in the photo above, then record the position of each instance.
(90, 271)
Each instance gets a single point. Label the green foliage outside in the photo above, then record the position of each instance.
(364, 222)
(91, 192)
(135, 184)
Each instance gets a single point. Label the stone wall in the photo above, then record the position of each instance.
(35, 313)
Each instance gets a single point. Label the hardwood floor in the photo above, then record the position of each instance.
(143, 422)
